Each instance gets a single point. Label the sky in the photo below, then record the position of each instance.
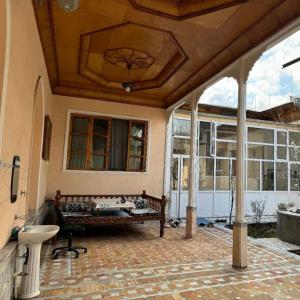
(268, 84)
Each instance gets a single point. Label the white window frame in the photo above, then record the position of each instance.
(103, 172)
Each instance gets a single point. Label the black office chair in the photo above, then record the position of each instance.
(68, 229)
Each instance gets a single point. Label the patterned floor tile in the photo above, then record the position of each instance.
(132, 262)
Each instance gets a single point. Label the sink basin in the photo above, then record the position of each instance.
(37, 234)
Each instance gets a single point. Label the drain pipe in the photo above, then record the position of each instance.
(19, 266)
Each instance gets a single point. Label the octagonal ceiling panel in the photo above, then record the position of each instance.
(183, 9)
(129, 53)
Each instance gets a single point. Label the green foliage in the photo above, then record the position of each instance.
(258, 207)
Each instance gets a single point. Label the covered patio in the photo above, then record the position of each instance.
(132, 263)
(88, 94)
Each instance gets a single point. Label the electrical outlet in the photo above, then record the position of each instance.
(2, 164)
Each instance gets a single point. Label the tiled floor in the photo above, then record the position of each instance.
(134, 263)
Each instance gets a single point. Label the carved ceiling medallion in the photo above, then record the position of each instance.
(182, 9)
(131, 59)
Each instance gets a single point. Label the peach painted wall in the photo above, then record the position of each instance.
(25, 66)
(2, 41)
(80, 182)
(34, 186)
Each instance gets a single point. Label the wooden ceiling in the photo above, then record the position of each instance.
(162, 48)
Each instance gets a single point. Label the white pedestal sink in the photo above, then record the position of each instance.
(33, 238)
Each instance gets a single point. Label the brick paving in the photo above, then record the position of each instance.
(132, 262)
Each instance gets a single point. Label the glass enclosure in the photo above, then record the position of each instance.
(273, 157)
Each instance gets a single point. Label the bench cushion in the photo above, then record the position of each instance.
(144, 212)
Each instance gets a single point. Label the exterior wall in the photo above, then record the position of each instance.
(216, 203)
(7, 270)
(250, 122)
(26, 64)
(106, 182)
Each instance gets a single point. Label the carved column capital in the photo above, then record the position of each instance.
(194, 97)
(242, 68)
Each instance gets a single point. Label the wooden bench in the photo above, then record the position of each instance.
(91, 217)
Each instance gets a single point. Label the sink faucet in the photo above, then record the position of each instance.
(21, 217)
(27, 228)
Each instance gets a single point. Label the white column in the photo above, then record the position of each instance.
(240, 226)
(240, 158)
(168, 159)
(191, 214)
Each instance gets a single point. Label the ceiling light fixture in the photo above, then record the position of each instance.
(68, 5)
(128, 87)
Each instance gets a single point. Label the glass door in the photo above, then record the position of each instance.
(180, 185)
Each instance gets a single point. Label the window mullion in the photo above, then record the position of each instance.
(108, 140)
(89, 144)
(70, 140)
(128, 144)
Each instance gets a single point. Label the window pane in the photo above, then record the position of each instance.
(137, 130)
(181, 146)
(281, 137)
(268, 176)
(281, 153)
(77, 161)
(182, 127)
(185, 174)
(205, 139)
(222, 174)
(232, 176)
(294, 154)
(260, 135)
(226, 149)
(135, 163)
(78, 142)
(260, 151)
(253, 175)
(136, 147)
(99, 145)
(174, 173)
(118, 145)
(100, 126)
(281, 176)
(80, 124)
(206, 176)
(233, 167)
(226, 132)
(295, 177)
(98, 162)
(294, 138)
